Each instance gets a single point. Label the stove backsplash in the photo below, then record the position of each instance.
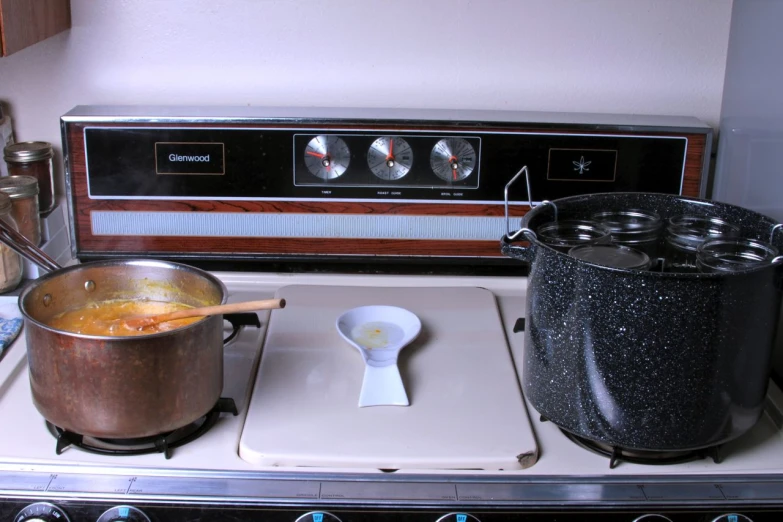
(367, 186)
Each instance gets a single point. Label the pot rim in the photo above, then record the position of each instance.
(114, 262)
(537, 243)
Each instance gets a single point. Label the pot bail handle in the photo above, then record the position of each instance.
(512, 236)
(22, 246)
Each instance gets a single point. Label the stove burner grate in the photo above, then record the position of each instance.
(163, 443)
(618, 454)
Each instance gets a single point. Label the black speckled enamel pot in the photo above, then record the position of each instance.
(647, 360)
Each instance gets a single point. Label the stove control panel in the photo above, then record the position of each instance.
(358, 186)
(97, 511)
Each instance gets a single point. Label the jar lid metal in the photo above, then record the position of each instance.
(28, 151)
(19, 186)
(616, 256)
(5, 203)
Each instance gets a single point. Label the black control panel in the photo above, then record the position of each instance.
(137, 162)
(73, 511)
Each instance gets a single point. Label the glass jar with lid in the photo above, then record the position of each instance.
(33, 158)
(23, 191)
(10, 261)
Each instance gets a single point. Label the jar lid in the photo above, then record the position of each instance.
(28, 151)
(19, 186)
(5, 203)
(616, 256)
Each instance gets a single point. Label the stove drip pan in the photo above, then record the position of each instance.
(617, 454)
(163, 443)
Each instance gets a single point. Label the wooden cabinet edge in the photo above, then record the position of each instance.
(24, 23)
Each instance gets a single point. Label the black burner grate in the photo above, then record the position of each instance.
(617, 454)
(163, 443)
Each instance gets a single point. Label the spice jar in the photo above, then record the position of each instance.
(564, 234)
(10, 261)
(23, 191)
(33, 158)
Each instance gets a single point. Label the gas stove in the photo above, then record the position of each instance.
(216, 476)
(322, 207)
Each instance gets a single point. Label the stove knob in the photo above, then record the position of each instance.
(318, 516)
(123, 514)
(42, 512)
(732, 517)
(652, 518)
(458, 517)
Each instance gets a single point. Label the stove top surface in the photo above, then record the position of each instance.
(212, 467)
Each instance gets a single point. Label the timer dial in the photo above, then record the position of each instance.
(390, 158)
(327, 157)
(453, 159)
(42, 512)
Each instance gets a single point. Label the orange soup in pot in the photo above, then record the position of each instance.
(106, 317)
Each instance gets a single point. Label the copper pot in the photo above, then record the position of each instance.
(123, 387)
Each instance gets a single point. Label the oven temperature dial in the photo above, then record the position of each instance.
(123, 514)
(42, 512)
(732, 517)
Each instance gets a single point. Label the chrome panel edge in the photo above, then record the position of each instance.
(363, 489)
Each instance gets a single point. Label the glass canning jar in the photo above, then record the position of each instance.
(23, 191)
(733, 255)
(685, 233)
(33, 158)
(616, 256)
(565, 234)
(10, 261)
(635, 228)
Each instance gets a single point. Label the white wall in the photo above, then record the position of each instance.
(617, 56)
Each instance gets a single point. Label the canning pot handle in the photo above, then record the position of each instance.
(507, 248)
(512, 236)
(18, 243)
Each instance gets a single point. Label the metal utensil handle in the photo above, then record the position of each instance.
(21, 245)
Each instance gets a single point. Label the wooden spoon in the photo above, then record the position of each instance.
(137, 323)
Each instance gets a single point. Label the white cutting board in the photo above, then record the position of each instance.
(466, 409)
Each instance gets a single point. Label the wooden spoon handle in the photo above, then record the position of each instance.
(246, 306)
